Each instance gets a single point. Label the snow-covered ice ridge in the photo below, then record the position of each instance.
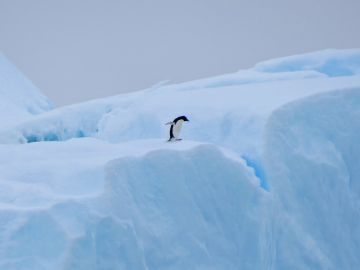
(19, 98)
(265, 178)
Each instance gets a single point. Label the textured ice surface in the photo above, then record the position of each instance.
(146, 209)
(266, 176)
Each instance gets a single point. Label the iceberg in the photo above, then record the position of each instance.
(264, 178)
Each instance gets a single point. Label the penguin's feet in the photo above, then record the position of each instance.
(174, 140)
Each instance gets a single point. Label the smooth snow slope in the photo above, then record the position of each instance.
(333, 63)
(269, 180)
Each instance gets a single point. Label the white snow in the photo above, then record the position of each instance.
(264, 178)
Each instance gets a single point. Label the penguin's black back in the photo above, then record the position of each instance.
(171, 132)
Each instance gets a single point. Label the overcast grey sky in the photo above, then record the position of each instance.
(75, 50)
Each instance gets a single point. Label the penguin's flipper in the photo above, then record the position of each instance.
(169, 123)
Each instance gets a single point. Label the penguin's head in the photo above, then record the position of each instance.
(183, 118)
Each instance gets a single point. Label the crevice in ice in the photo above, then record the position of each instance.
(259, 171)
(52, 136)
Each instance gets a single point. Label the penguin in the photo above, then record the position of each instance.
(175, 127)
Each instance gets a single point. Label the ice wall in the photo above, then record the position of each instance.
(312, 160)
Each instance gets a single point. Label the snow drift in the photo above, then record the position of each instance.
(332, 63)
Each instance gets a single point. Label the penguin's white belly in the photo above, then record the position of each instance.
(176, 129)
